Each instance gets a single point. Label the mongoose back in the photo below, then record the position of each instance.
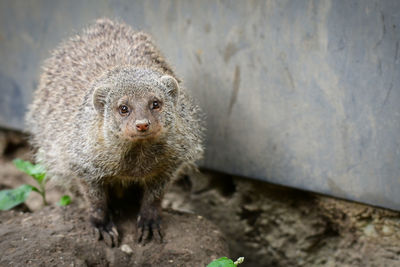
(110, 113)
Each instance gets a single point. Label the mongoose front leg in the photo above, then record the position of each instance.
(100, 215)
(149, 218)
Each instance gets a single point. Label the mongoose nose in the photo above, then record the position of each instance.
(142, 125)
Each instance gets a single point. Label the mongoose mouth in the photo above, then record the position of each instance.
(134, 137)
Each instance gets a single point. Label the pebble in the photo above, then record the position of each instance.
(369, 230)
(127, 249)
(386, 230)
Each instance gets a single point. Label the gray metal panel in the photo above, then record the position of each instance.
(299, 93)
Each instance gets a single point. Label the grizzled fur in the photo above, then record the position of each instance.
(78, 136)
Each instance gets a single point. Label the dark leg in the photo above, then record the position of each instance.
(100, 215)
(149, 218)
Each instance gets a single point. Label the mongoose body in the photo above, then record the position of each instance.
(110, 113)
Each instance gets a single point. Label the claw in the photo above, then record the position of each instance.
(149, 229)
(114, 231)
(107, 238)
(96, 233)
(159, 235)
(107, 232)
(144, 234)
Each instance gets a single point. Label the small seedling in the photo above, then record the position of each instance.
(225, 262)
(64, 200)
(37, 172)
(13, 197)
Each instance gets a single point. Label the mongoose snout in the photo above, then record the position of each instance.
(142, 125)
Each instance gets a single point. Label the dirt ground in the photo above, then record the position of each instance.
(277, 226)
(267, 224)
(61, 236)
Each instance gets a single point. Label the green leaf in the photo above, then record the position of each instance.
(36, 189)
(37, 171)
(39, 177)
(222, 262)
(64, 200)
(13, 197)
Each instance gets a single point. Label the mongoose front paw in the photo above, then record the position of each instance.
(105, 229)
(149, 226)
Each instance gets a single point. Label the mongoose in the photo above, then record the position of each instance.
(110, 113)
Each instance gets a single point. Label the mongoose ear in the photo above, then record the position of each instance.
(172, 86)
(99, 99)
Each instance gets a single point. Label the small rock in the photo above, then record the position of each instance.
(127, 249)
(386, 230)
(369, 230)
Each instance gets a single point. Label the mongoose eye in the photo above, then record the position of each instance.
(123, 110)
(155, 104)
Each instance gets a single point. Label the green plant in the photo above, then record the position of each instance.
(225, 262)
(64, 200)
(37, 172)
(13, 197)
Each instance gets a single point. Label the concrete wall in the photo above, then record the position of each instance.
(299, 93)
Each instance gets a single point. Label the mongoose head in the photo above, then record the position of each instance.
(136, 104)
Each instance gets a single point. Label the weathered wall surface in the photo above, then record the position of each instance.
(299, 93)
